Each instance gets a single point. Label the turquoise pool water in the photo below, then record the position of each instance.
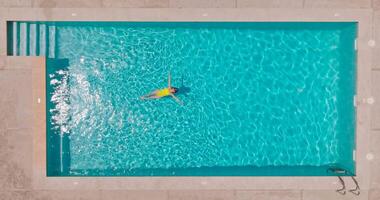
(259, 98)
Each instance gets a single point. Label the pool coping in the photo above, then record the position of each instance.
(39, 179)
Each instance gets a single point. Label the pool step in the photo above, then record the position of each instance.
(51, 49)
(32, 39)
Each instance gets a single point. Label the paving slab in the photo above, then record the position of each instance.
(136, 3)
(3, 37)
(192, 14)
(16, 159)
(374, 194)
(269, 195)
(202, 3)
(2, 62)
(376, 5)
(374, 157)
(15, 3)
(16, 99)
(376, 32)
(67, 3)
(16, 195)
(133, 194)
(375, 108)
(332, 195)
(67, 195)
(42, 182)
(21, 62)
(201, 195)
(338, 4)
(270, 3)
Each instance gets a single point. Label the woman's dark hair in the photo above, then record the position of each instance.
(175, 89)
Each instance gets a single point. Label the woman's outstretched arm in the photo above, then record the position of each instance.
(176, 99)
(169, 80)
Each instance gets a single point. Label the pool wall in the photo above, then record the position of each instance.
(347, 106)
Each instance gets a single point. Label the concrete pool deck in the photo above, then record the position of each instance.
(22, 118)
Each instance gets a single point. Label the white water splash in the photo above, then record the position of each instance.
(60, 98)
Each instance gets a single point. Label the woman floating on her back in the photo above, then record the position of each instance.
(169, 91)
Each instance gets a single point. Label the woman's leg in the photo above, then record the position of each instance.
(151, 95)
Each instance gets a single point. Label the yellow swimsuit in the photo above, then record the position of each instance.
(163, 92)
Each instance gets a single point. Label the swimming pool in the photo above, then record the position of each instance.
(259, 98)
